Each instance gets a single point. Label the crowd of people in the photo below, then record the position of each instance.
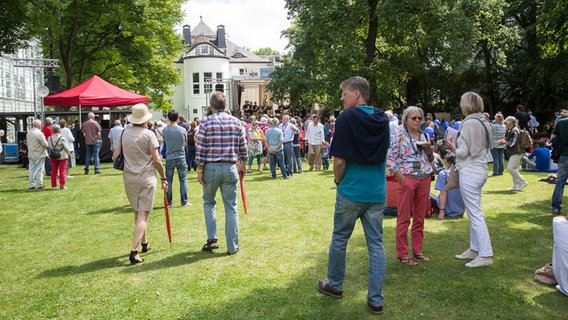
(222, 149)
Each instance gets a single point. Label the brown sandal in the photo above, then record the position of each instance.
(421, 257)
(407, 261)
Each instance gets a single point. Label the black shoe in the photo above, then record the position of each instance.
(98, 172)
(210, 245)
(86, 172)
(133, 259)
(325, 289)
(232, 253)
(376, 310)
(145, 247)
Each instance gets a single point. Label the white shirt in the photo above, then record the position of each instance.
(66, 133)
(315, 134)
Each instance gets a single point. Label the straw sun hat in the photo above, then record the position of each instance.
(140, 114)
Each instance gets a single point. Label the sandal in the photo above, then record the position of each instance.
(421, 257)
(210, 245)
(407, 261)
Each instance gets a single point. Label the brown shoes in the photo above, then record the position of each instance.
(324, 288)
(376, 310)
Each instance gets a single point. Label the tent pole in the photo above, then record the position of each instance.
(80, 120)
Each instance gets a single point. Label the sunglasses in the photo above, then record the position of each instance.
(416, 118)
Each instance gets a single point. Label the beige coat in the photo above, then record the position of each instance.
(37, 145)
(61, 145)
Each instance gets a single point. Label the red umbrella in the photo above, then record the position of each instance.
(243, 191)
(167, 212)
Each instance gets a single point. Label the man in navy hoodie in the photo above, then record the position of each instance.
(359, 150)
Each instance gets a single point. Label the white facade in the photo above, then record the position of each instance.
(210, 63)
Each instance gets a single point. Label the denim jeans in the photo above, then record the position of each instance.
(560, 182)
(181, 166)
(297, 167)
(479, 239)
(47, 166)
(288, 157)
(222, 176)
(498, 162)
(191, 158)
(346, 214)
(278, 156)
(92, 150)
(35, 172)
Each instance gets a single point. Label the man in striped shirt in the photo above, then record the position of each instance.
(221, 153)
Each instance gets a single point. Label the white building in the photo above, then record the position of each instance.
(210, 63)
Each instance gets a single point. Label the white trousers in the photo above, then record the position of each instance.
(35, 172)
(560, 253)
(479, 239)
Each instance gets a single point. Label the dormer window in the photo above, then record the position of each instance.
(204, 50)
(238, 55)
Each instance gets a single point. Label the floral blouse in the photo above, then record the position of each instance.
(405, 156)
(254, 145)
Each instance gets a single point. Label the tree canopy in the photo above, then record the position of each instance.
(428, 52)
(130, 43)
(13, 29)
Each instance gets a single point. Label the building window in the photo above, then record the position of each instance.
(196, 83)
(204, 50)
(219, 76)
(241, 72)
(207, 77)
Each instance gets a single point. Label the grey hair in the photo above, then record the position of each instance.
(56, 128)
(511, 120)
(408, 111)
(91, 115)
(275, 121)
(48, 121)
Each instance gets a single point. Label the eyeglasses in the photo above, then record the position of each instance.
(416, 118)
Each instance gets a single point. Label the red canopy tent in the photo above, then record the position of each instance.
(94, 92)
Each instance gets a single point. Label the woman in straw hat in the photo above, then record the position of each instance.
(141, 160)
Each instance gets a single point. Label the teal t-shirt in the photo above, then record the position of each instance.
(364, 182)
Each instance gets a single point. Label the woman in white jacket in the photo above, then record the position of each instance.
(471, 149)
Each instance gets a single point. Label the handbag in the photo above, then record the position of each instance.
(53, 152)
(453, 179)
(118, 163)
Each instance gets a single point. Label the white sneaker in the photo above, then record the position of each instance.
(522, 186)
(467, 255)
(480, 262)
(513, 189)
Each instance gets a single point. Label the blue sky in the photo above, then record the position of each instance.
(249, 23)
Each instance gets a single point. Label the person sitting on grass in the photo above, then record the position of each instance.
(542, 155)
(450, 202)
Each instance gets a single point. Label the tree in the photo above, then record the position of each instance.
(266, 52)
(131, 43)
(13, 29)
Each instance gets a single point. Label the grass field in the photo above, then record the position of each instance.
(65, 256)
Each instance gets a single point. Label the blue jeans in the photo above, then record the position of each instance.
(191, 158)
(181, 166)
(224, 176)
(92, 150)
(346, 214)
(297, 167)
(278, 156)
(288, 157)
(560, 182)
(498, 155)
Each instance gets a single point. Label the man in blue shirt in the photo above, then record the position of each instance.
(542, 155)
(176, 139)
(288, 131)
(450, 202)
(359, 150)
(274, 141)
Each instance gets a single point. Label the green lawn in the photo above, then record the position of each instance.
(65, 256)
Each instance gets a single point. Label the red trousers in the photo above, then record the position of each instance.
(61, 167)
(413, 201)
